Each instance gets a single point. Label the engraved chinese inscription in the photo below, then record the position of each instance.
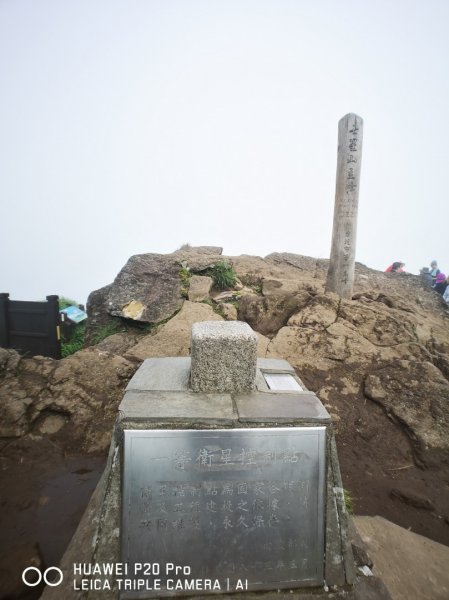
(243, 503)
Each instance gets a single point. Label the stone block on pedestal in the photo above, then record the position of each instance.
(224, 357)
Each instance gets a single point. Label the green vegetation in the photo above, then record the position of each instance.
(184, 276)
(76, 341)
(348, 502)
(257, 287)
(65, 302)
(223, 275)
(105, 331)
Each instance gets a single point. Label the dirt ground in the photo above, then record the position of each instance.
(43, 494)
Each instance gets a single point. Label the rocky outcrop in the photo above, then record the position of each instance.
(379, 362)
(417, 395)
(147, 289)
(150, 288)
(73, 400)
(199, 288)
(173, 338)
(268, 314)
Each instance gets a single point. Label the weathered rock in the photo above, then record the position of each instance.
(277, 287)
(411, 565)
(417, 395)
(359, 548)
(303, 263)
(381, 327)
(119, 343)
(267, 314)
(199, 288)
(262, 345)
(199, 258)
(96, 309)
(76, 397)
(318, 312)
(229, 311)
(226, 296)
(147, 289)
(15, 397)
(173, 338)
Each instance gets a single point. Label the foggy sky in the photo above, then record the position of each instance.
(137, 126)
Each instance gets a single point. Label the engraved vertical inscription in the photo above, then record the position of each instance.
(245, 503)
(340, 276)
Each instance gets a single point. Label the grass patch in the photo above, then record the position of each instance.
(105, 331)
(348, 502)
(66, 302)
(76, 341)
(223, 275)
(184, 276)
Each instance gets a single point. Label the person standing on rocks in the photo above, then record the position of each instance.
(446, 292)
(396, 267)
(440, 283)
(434, 271)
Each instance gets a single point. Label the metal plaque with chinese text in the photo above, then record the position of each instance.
(244, 504)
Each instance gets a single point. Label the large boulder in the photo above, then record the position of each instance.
(147, 289)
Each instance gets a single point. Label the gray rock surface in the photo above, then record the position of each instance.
(411, 565)
(229, 311)
(73, 400)
(97, 313)
(268, 314)
(199, 288)
(147, 289)
(174, 338)
(198, 258)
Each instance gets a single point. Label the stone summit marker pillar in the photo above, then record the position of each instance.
(340, 276)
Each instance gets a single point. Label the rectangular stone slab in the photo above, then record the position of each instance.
(280, 407)
(164, 374)
(278, 365)
(177, 406)
(228, 504)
